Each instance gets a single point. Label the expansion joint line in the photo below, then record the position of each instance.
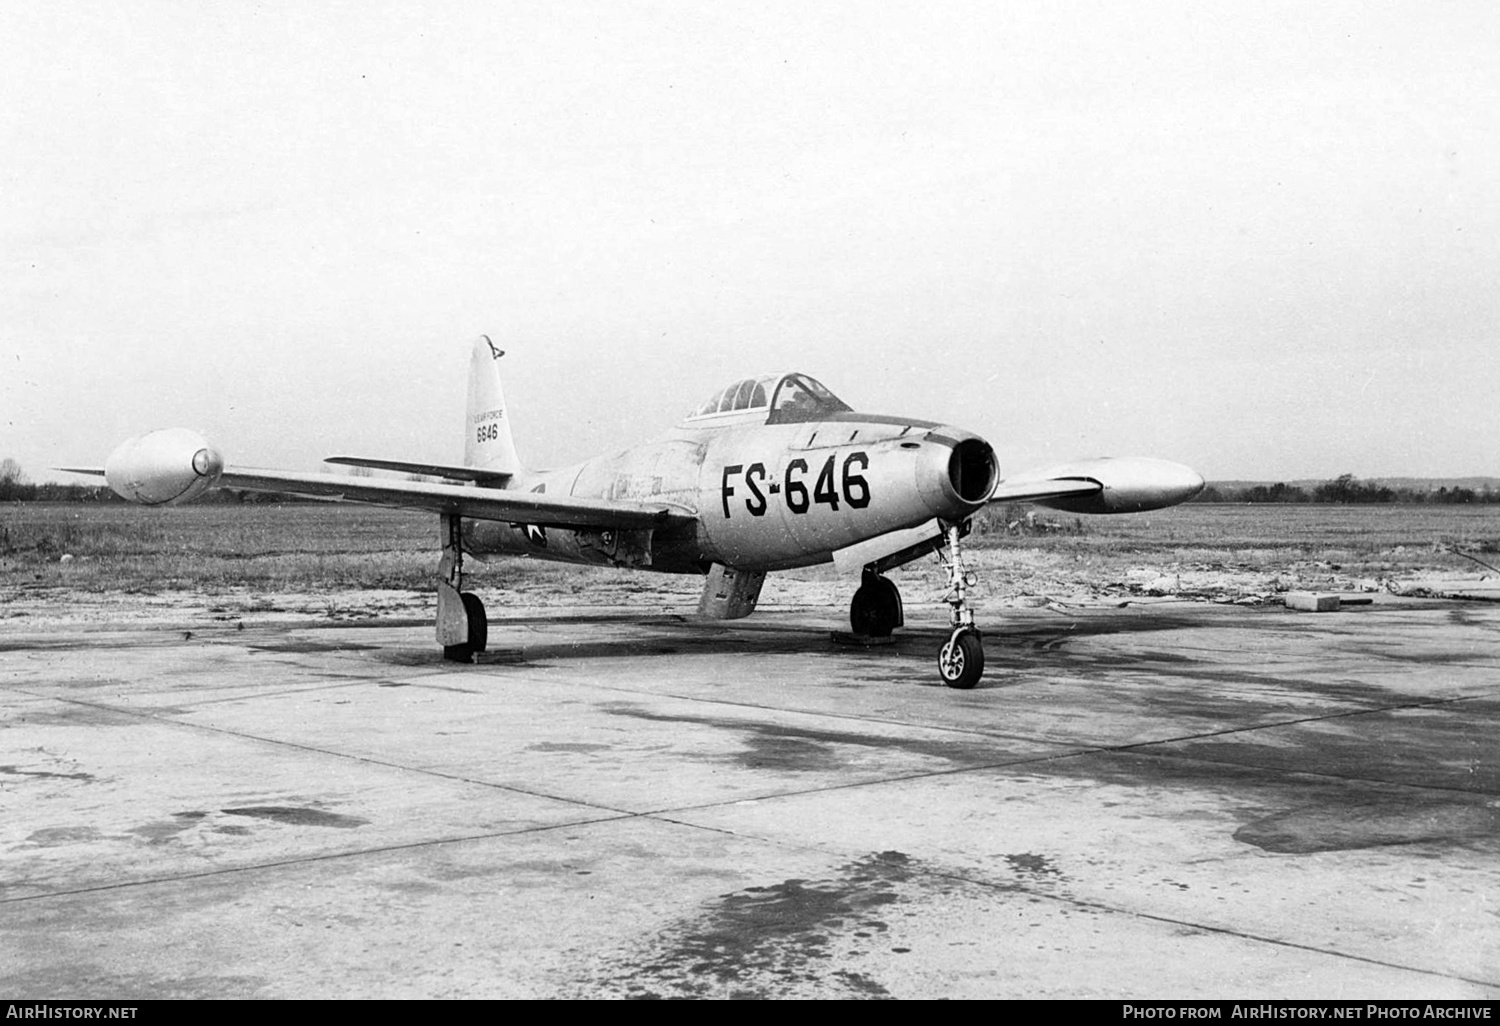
(329, 856)
(1142, 746)
(363, 759)
(958, 876)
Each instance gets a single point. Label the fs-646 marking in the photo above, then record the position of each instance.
(851, 485)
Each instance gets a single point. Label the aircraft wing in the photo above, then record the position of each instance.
(172, 466)
(1035, 491)
(462, 500)
(1110, 484)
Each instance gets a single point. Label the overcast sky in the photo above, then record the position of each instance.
(1259, 238)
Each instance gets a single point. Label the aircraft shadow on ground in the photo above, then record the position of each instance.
(1031, 647)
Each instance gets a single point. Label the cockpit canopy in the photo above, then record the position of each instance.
(783, 398)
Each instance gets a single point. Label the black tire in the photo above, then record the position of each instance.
(875, 610)
(479, 632)
(479, 624)
(961, 661)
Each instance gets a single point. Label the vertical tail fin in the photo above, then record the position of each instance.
(488, 443)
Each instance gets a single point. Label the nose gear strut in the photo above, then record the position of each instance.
(961, 659)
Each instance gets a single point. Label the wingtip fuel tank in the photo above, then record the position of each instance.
(163, 468)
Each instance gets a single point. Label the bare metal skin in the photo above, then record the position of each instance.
(769, 474)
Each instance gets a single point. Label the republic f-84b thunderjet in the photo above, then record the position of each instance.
(771, 473)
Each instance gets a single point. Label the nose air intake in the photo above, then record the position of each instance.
(958, 475)
(972, 470)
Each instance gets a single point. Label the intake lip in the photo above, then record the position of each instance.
(961, 473)
(972, 470)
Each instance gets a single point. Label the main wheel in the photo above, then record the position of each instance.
(876, 608)
(479, 624)
(961, 661)
(479, 632)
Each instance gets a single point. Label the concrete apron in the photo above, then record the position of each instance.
(1178, 801)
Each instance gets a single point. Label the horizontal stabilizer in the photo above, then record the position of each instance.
(488, 478)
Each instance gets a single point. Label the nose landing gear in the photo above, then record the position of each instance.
(876, 611)
(961, 660)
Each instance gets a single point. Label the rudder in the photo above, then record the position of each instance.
(488, 444)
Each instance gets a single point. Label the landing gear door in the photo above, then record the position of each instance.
(729, 594)
(890, 550)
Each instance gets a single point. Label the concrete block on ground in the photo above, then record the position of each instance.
(1311, 601)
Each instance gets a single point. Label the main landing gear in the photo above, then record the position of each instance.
(876, 609)
(462, 627)
(961, 660)
(478, 631)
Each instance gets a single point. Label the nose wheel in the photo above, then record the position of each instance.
(961, 660)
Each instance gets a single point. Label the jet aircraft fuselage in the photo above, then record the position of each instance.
(766, 487)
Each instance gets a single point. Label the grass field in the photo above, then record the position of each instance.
(264, 546)
(1296, 531)
(299, 546)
